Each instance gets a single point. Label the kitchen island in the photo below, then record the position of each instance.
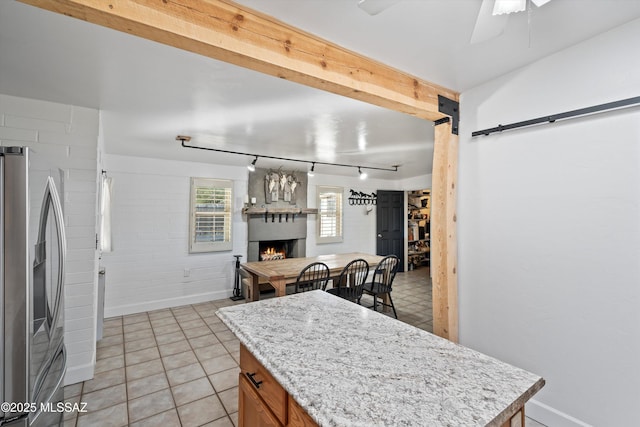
(324, 360)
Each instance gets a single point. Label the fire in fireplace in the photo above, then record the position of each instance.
(271, 254)
(275, 249)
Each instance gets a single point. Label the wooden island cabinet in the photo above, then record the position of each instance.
(262, 401)
(252, 410)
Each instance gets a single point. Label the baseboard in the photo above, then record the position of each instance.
(78, 374)
(123, 310)
(551, 417)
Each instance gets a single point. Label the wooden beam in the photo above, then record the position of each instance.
(444, 237)
(233, 33)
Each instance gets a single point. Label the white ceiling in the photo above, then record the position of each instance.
(149, 93)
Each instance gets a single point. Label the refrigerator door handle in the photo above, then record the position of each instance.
(52, 198)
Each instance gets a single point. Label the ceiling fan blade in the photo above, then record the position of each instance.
(487, 25)
(373, 7)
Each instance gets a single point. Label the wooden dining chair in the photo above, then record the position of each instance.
(313, 276)
(382, 282)
(350, 283)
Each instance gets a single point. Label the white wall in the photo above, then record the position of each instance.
(67, 136)
(416, 183)
(359, 228)
(549, 230)
(150, 216)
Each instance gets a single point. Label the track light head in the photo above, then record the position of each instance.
(363, 175)
(313, 166)
(252, 166)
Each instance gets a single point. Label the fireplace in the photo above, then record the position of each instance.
(276, 232)
(277, 249)
(275, 240)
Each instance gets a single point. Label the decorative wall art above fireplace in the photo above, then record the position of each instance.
(282, 185)
(278, 188)
(277, 195)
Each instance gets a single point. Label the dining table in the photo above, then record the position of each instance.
(281, 272)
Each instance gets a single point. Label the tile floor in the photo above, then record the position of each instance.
(171, 367)
(179, 366)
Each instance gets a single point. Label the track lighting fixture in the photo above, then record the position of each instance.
(363, 175)
(252, 166)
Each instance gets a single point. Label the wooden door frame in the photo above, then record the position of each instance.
(233, 33)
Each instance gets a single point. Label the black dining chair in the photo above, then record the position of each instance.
(313, 276)
(350, 283)
(382, 282)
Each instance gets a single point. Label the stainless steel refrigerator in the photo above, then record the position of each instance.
(32, 258)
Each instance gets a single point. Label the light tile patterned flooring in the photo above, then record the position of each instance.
(172, 367)
(179, 366)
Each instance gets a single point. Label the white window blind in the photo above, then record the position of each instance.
(211, 212)
(329, 214)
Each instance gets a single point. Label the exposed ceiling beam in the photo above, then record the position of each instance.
(236, 34)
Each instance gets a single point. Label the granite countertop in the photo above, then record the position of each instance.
(347, 365)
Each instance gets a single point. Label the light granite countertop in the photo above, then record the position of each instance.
(347, 365)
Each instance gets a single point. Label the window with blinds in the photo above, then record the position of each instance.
(211, 212)
(329, 214)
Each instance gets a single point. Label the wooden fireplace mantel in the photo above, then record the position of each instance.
(279, 210)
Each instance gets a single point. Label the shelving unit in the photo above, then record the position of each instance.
(419, 213)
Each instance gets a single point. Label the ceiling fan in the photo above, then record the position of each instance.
(491, 21)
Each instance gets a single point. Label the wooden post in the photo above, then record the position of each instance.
(444, 263)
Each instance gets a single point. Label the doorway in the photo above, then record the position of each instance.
(390, 224)
(418, 229)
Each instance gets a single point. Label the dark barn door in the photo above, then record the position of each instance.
(390, 224)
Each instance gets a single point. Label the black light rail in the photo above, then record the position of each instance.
(182, 139)
(566, 115)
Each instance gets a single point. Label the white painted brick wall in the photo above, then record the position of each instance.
(150, 216)
(67, 136)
